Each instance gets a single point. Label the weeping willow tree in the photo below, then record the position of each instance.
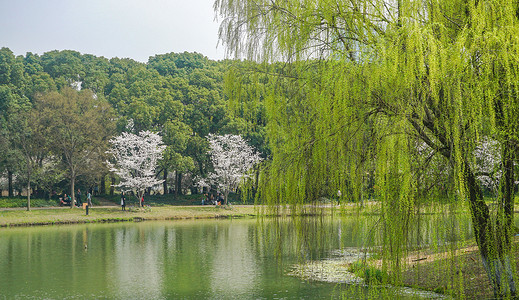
(370, 87)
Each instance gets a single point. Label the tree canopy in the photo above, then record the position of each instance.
(79, 126)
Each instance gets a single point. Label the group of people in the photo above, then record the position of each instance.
(123, 201)
(67, 199)
(211, 199)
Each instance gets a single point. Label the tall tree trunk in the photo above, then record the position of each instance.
(256, 181)
(165, 183)
(10, 184)
(112, 185)
(178, 186)
(28, 195)
(72, 187)
(102, 189)
(28, 189)
(493, 239)
(226, 195)
(504, 222)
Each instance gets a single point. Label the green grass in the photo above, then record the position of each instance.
(371, 275)
(167, 199)
(67, 215)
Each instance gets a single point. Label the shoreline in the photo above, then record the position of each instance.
(44, 216)
(113, 214)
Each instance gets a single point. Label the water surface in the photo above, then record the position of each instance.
(199, 259)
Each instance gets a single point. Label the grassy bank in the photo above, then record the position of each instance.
(446, 272)
(153, 200)
(171, 199)
(458, 273)
(114, 214)
(17, 202)
(110, 211)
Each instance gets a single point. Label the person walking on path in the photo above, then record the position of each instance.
(89, 198)
(123, 201)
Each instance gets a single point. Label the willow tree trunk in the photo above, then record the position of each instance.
(493, 237)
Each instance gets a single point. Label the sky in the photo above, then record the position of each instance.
(134, 29)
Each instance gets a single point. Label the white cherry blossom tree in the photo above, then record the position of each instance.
(488, 162)
(136, 157)
(232, 160)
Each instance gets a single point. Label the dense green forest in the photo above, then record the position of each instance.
(59, 110)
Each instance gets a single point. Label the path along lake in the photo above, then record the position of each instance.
(196, 259)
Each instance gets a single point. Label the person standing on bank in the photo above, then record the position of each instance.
(123, 201)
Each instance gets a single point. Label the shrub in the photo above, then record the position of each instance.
(371, 275)
(6, 202)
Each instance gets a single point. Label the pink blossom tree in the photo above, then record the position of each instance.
(136, 157)
(232, 160)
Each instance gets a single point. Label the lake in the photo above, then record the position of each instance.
(196, 259)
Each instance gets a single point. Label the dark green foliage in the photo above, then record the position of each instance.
(180, 95)
(173, 64)
(22, 202)
(63, 64)
(19, 202)
(11, 69)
